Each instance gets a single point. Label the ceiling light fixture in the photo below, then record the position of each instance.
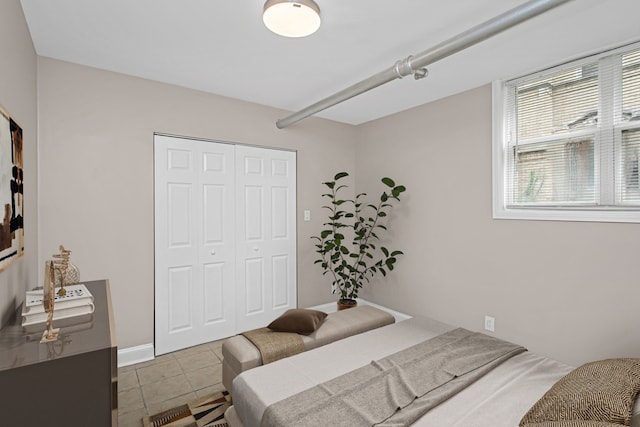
(291, 18)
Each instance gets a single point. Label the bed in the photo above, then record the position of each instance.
(499, 398)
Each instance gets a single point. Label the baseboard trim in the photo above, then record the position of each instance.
(398, 315)
(137, 354)
(331, 307)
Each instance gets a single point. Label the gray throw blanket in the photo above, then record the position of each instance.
(396, 390)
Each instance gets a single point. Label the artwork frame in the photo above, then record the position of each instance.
(11, 191)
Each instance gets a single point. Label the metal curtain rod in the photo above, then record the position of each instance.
(415, 64)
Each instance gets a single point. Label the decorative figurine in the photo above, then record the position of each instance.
(65, 270)
(50, 333)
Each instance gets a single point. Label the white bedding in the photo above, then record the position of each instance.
(500, 398)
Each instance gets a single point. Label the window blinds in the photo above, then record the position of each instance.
(630, 135)
(573, 134)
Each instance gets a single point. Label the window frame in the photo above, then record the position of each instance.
(608, 177)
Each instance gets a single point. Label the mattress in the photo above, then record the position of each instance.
(500, 398)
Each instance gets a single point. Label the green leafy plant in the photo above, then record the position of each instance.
(348, 243)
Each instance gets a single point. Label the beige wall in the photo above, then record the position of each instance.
(569, 290)
(18, 97)
(96, 174)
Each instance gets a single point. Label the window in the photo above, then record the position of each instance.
(567, 141)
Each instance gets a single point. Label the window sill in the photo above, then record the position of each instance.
(501, 212)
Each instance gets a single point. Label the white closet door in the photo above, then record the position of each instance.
(195, 242)
(266, 235)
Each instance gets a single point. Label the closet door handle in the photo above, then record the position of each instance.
(213, 251)
(256, 249)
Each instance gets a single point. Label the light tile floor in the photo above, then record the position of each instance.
(167, 381)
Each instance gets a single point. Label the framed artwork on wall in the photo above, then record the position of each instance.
(11, 191)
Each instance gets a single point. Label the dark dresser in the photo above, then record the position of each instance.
(69, 382)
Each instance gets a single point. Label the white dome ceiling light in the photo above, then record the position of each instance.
(291, 18)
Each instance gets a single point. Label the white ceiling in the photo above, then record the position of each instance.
(222, 47)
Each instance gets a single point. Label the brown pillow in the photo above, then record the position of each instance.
(298, 320)
(597, 393)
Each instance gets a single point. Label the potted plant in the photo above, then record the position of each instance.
(348, 243)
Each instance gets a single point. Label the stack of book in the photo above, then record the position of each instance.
(76, 302)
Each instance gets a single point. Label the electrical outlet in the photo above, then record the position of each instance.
(489, 323)
(307, 215)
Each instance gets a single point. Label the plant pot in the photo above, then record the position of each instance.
(344, 303)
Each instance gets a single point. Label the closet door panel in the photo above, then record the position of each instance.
(214, 208)
(214, 300)
(280, 268)
(254, 286)
(253, 210)
(194, 242)
(266, 190)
